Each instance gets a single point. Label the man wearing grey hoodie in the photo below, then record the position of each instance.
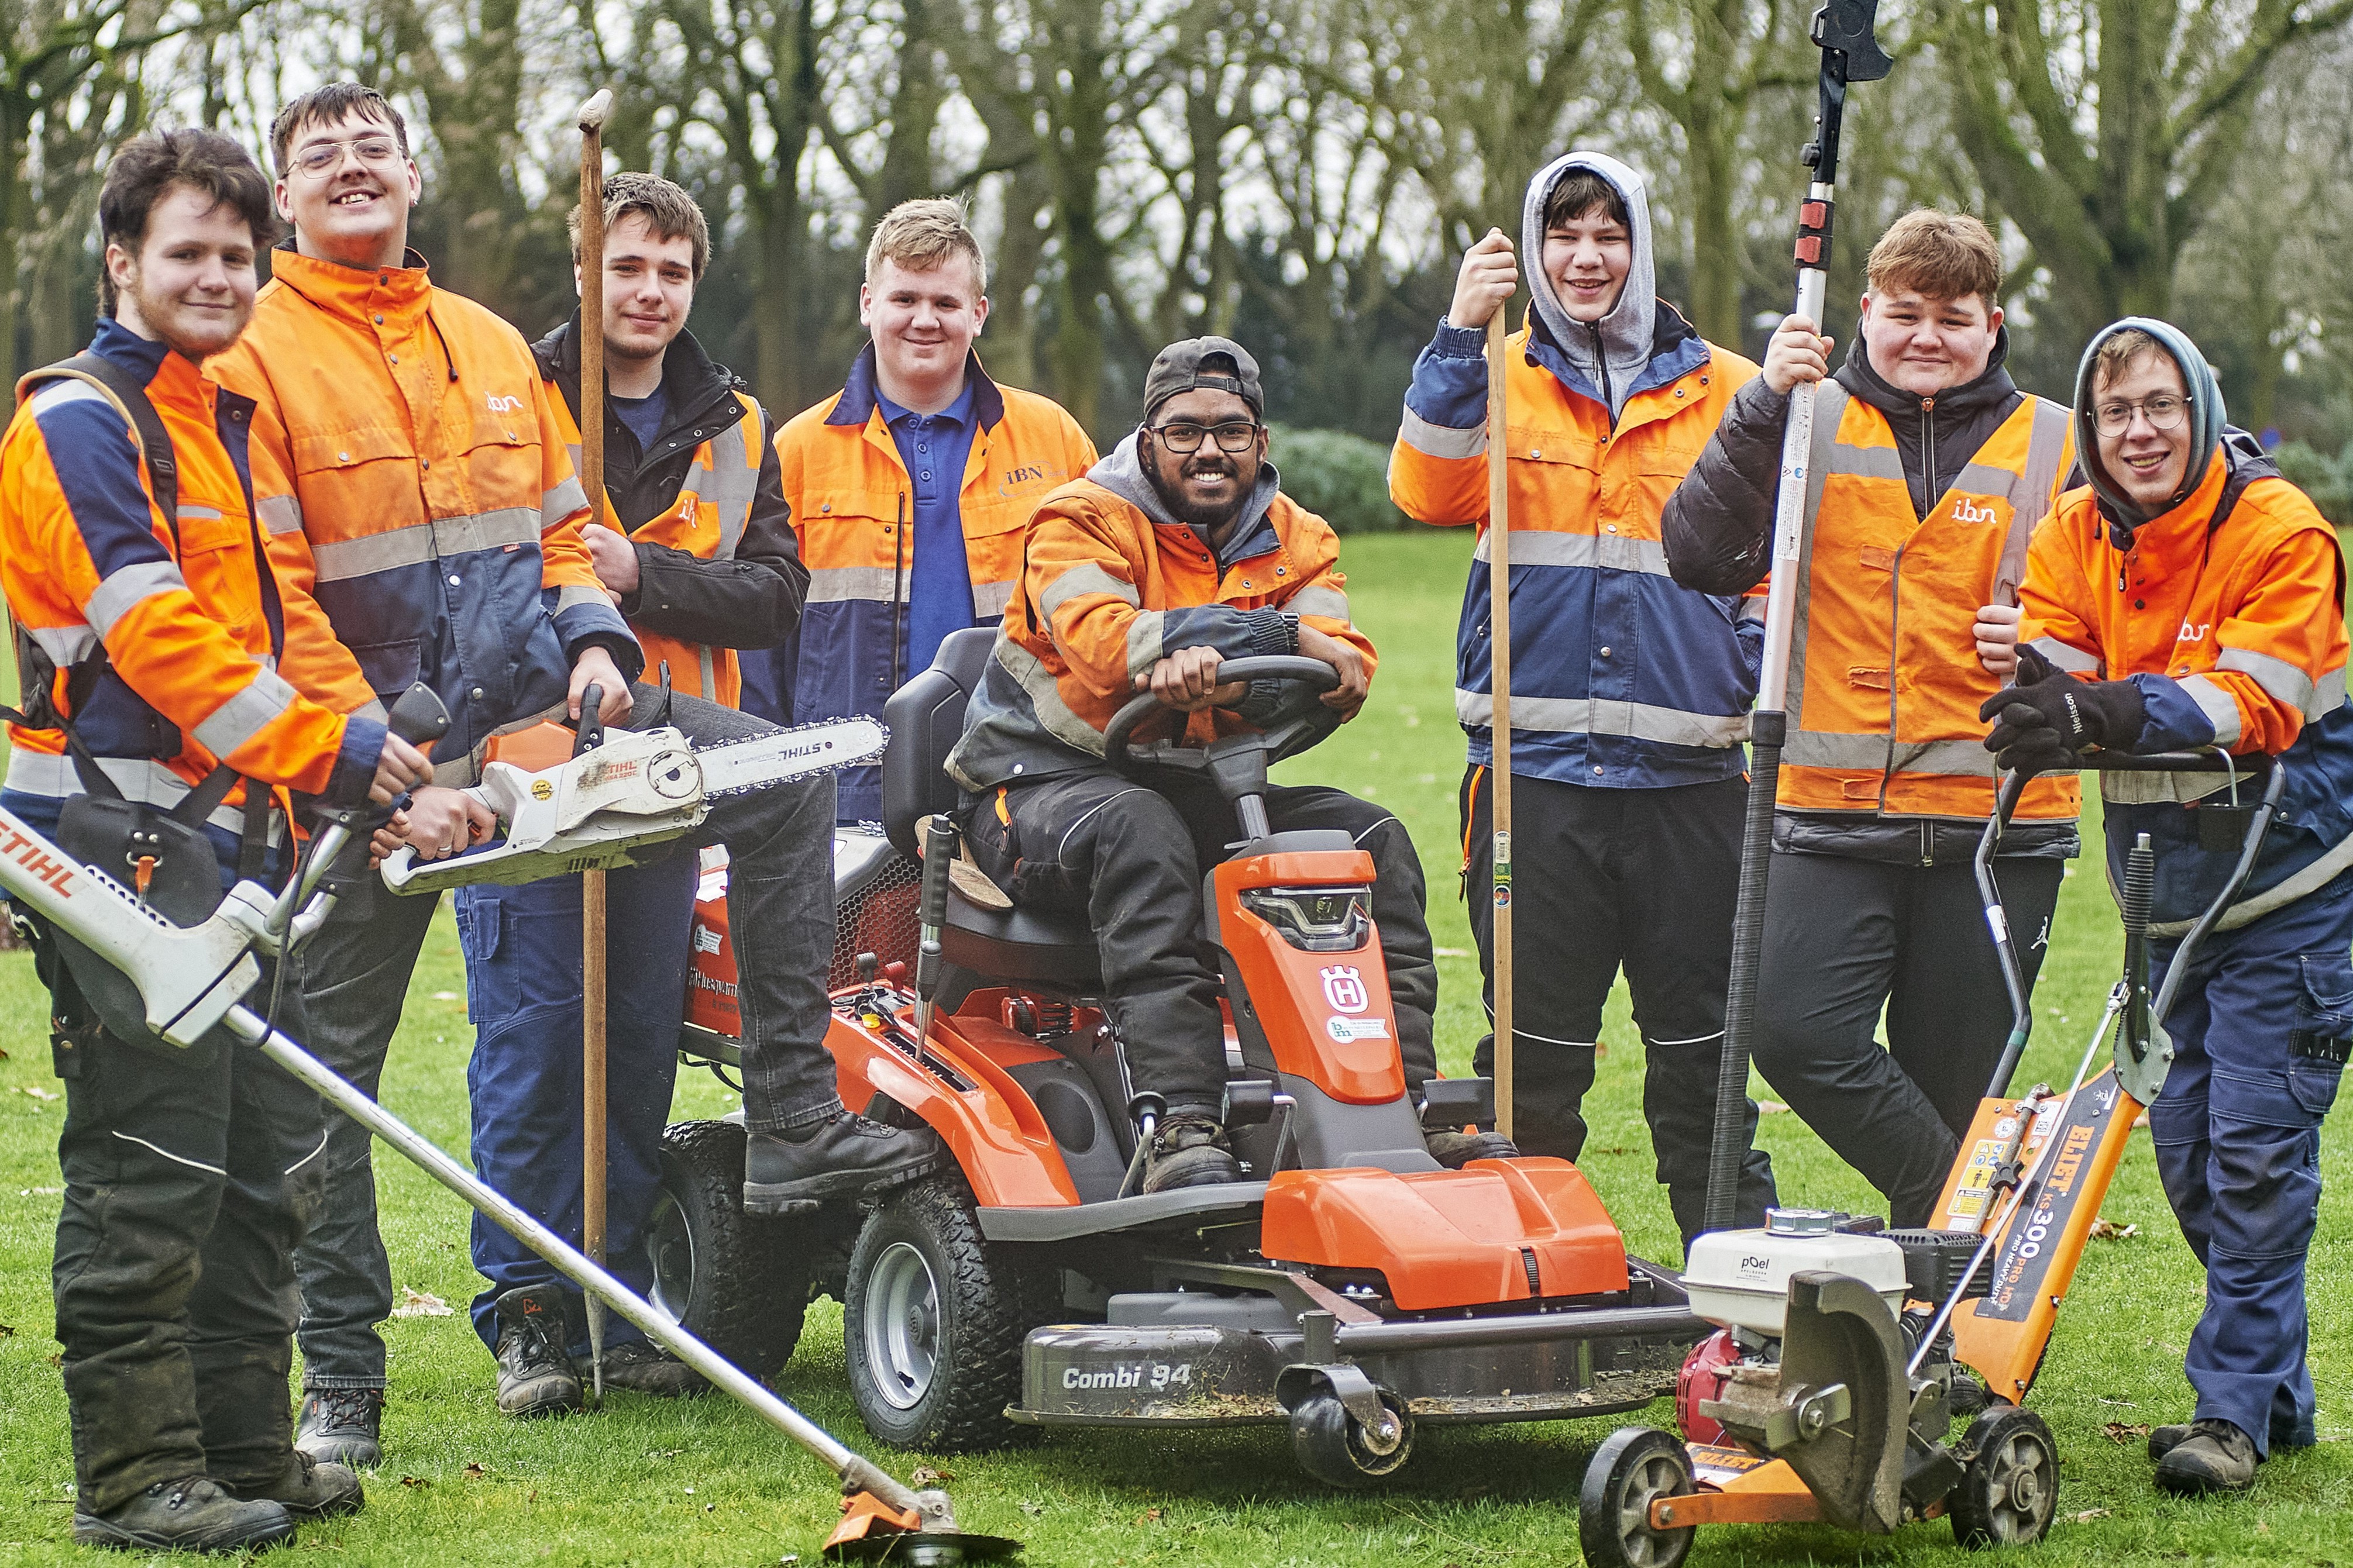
(1631, 694)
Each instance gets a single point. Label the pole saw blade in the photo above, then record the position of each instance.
(1849, 27)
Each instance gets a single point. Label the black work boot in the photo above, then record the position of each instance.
(535, 1377)
(305, 1488)
(841, 1156)
(342, 1426)
(1454, 1149)
(191, 1514)
(643, 1367)
(1188, 1149)
(2165, 1439)
(2216, 1456)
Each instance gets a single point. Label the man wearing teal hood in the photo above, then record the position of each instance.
(2190, 598)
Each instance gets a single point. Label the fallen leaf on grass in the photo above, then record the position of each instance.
(415, 1481)
(1770, 1108)
(6, 1330)
(38, 1192)
(420, 1304)
(475, 1472)
(2109, 1230)
(925, 1475)
(1152, 1516)
(2119, 1432)
(2090, 1514)
(1034, 1509)
(36, 1090)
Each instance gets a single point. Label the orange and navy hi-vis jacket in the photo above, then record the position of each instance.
(707, 520)
(1111, 584)
(1621, 677)
(2235, 636)
(90, 563)
(422, 513)
(852, 507)
(1884, 681)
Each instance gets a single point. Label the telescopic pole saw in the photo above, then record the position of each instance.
(1843, 31)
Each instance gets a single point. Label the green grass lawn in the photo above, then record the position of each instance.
(649, 1482)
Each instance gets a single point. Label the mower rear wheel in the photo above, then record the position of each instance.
(933, 1321)
(1335, 1447)
(1635, 1468)
(737, 1283)
(2010, 1493)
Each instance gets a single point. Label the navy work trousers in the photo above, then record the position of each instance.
(2238, 1143)
(524, 993)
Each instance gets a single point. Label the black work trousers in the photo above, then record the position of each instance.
(189, 1177)
(1845, 938)
(1128, 859)
(1643, 879)
(355, 975)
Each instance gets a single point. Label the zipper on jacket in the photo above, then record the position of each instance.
(1930, 489)
(1601, 361)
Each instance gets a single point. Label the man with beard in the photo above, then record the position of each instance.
(133, 564)
(425, 523)
(1174, 555)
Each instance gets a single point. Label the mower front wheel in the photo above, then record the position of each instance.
(1637, 1466)
(1335, 1447)
(2010, 1493)
(737, 1283)
(934, 1319)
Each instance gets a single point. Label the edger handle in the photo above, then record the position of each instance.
(419, 718)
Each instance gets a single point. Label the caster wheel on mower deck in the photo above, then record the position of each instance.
(1635, 1468)
(2010, 1494)
(736, 1283)
(1334, 1447)
(933, 1321)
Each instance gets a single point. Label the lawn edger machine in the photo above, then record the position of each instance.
(1846, 1352)
(1352, 1290)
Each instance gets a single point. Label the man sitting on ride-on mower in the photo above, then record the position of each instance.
(1175, 552)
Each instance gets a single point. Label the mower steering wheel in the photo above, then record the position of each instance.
(1289, 734)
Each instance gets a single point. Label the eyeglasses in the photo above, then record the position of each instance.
(2164, 412)
(322, 158)
(1181, 438)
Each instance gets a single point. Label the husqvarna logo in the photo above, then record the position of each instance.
(1344, 987)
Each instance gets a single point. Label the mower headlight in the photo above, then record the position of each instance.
(1313, 920)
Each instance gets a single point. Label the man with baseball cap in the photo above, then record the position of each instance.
(1172, 555)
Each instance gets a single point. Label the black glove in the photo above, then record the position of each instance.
(2046, 718)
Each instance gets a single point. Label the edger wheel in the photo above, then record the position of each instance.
(933, 1321)
(1333, 1446)
(1637, 1466)
(2010, 1493)
(739, 1284)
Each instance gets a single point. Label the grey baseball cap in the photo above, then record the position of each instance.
(1195, 363)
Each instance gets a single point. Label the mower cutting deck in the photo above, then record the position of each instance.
(1352, 1290)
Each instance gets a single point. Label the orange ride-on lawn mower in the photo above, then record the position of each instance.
(1845, 1353)
(1352, 1290)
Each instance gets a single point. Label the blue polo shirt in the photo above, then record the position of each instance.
(934, 449)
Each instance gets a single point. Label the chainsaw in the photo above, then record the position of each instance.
(613, 802)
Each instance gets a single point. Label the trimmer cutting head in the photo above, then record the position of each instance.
(872, 1531)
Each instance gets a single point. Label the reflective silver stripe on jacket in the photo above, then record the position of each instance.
(1603, 716)
(246, 714)
(2286, 682)
(989, 599)
(127, 586)
(2066, 655)
(1543, 547)
(280, 514)
(1078, 582)
(340, 560)
(142, 779)
(725, 478)
(833, 584)
(1440, 440)
(1037, 683)
(1330, 603)
(65, 645)
(1878, 753)
(560, 502)
(2221, 709)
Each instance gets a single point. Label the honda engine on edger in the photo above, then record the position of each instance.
(1351, 1290)
(146, 973)
(1845, 1352)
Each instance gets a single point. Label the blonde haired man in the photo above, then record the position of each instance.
(909, 488)
(1930, 470)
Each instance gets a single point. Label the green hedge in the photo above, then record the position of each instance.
(2327, 480)
(1341, 478)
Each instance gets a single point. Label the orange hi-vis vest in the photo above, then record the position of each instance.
(1884, 679)
(707, 520)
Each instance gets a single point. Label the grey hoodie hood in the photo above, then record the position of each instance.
(1626, 331)
(1121, 471)
(2206, 423)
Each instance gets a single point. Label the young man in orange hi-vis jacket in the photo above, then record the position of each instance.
(1174, 554)
(147, 629)
(424, 520)
(1930, 469)
(701, 559)
(2189, 599)
(910, 487)
(1630, 693)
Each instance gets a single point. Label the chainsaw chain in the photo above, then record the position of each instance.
(701, 751)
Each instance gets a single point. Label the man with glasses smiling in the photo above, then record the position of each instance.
(1172, 555)
(2192, 598)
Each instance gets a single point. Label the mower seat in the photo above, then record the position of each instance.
(925, 719)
